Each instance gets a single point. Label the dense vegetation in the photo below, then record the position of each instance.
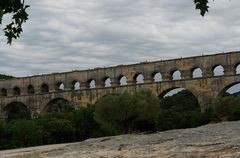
(115, 114)
(2, 76)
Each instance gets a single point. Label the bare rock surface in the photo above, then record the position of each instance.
(213, 140)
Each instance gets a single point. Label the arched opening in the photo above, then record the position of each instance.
(3, 92)
(176, 75)
(227, 103)
(76, 85)
(17, 110)
(179, 109)
(157, 77)
(180, 97)
(16, 91)
(122, 80)
(91, 83)
(170, 92)
(30, 89)
(58, 105)
(60, 86)
(139, 78)
(107, 82)
(218, 70)
(232, 89)
(44, 88)
(197, 73)
(238, 69)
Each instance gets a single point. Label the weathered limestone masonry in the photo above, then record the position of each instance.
(36, 91)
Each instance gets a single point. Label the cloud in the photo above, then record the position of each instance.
(70, 34)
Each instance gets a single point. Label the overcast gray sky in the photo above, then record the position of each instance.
(65, 35)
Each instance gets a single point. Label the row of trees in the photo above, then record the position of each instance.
(117, 114)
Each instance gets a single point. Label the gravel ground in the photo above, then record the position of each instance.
(213, 140)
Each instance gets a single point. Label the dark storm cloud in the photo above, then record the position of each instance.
(70, 34)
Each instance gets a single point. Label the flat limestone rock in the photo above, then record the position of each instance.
(213, 140)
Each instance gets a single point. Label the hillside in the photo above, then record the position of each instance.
(212, 140)
(3, 76)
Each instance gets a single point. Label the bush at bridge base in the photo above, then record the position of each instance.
(20, 133)
(228, 107)
(128, 112)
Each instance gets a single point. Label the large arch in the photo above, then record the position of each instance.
(58, 105)
(17, 110)
(225, 91)
(185, 93)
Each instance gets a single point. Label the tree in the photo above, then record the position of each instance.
(18, 9)
(127, 111)
(83, 120)
(19, 15)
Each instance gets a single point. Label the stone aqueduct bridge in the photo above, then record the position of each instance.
(37, 91)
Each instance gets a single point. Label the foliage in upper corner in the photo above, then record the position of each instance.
(202, 5)
(19, 15)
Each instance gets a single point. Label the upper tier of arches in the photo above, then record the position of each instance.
(143, 73)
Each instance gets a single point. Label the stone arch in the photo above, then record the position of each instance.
(60, 86)
(176, 74)
(218, 70)
(3, 92)
(58, 105)
(227, 89)
(164, 92)
(17, 110)
(76, 85)
(122, 80)
(30, 89)
(176, 90)
(44, 88)
(157, 76)
(237, 68)
(16, 91)
(91, 83)
(107, 81)
(138, 78)
(197, 72)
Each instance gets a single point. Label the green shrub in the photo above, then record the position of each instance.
(227, 106)
(84, 122)
(128, 112)
(235, 114)
(56, 128)
(180, 111)
(21, 133)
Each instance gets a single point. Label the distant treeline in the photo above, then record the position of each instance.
(115, 114)
(2, 76)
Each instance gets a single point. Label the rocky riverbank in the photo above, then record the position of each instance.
(213, 140)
